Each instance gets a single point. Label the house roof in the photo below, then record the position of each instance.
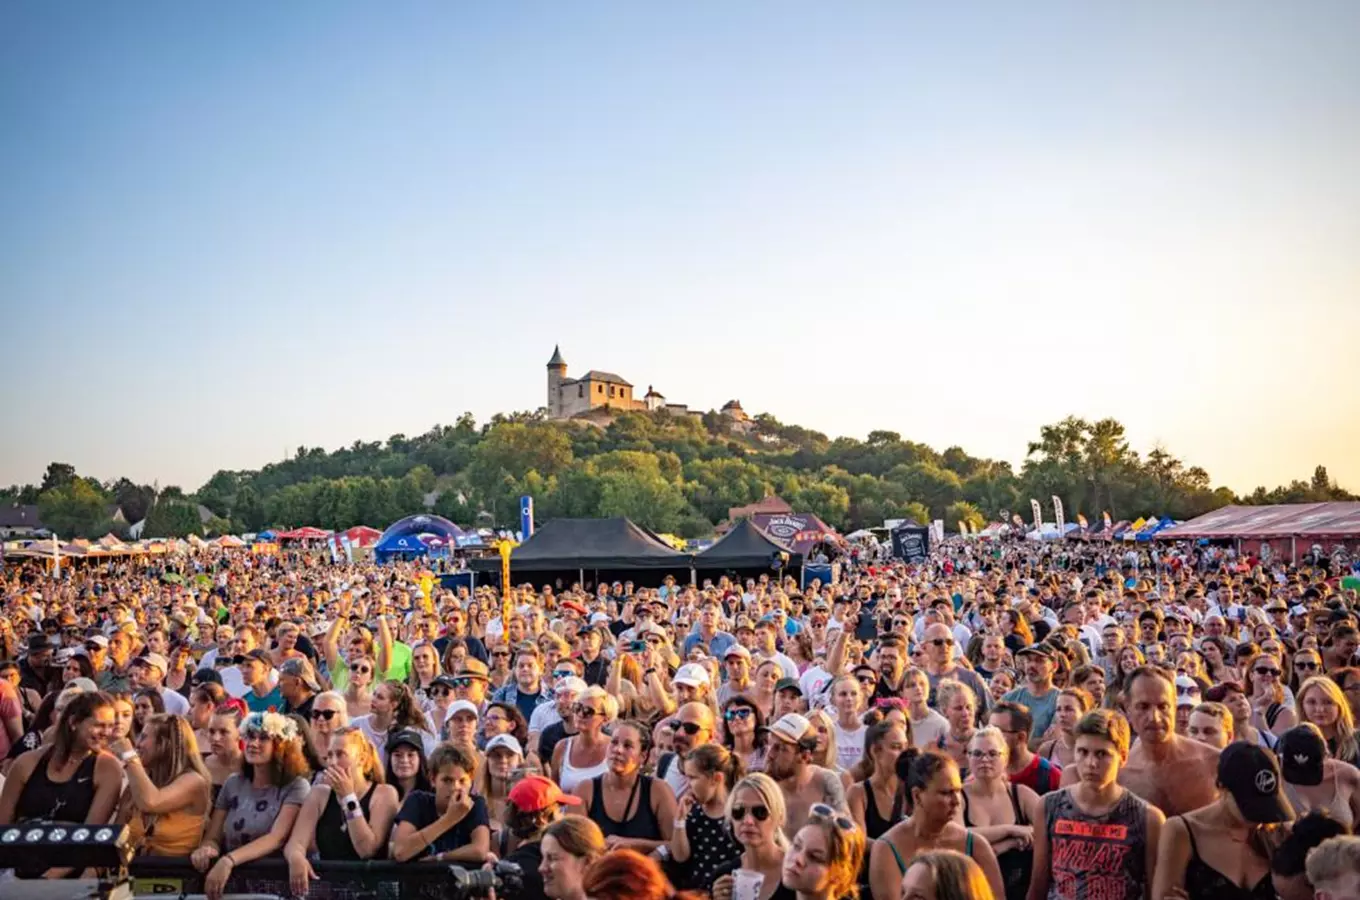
(16, 516)
(608, 377)
(653, 392)
(557, 359)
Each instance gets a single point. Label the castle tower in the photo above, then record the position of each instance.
(557, 373)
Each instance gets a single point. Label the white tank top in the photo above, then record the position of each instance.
(570, 776)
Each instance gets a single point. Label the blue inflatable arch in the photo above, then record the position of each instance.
(422, 524)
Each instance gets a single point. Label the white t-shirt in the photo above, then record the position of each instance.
(814, 682)
(544, 716)
(175, 704)
(927, 731)
(849, 745)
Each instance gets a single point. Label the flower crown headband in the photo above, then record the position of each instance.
(280, 728)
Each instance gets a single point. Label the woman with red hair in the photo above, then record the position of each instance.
(628, 875)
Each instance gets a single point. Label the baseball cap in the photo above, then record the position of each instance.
(154, 660)
(1249, 773)
(1302, 751)
(204, 676)
(98, 640)
(536, 792)
(1042, 650)
(571, 684)
(737, 650)
(791, 728)
(788, 684)
(407, 737)
(261, 655)
(505, 741)
(301, 669)
(84, 685)
(692, 675)
(458, 706)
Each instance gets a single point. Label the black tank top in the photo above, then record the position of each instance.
(332, 829)
(1204, 882)
(1016, 865)
(874, 824)
(58, 801)
(642, 824)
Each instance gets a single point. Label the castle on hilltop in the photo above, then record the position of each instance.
(597, 395)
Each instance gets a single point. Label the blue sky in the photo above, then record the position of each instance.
(229, 231)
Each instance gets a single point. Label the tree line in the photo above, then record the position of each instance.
(672, 473)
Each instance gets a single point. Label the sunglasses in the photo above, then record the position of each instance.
(499, 654)
(1270, 673)
(326, 714)
(1306, 666)
(440, 692)
(737, 712)
(760, 813)
(463, 682)
(584, 712)
(938, 642)
(689, 728)
(822, 811)
(360, 670)
(866, 679)
(563, 673)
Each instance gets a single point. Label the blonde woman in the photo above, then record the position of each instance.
(1002, 812)
(757, 815)
(959, 704)
(1321, 703)
(825, 754)
(945, 875)
(581, 757)
(169, 791)
(348, 813)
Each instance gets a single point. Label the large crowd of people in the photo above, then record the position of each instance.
(1070, 721)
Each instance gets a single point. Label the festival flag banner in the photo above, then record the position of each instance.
(1109, 523)
(1081, 521)
(1038, 514)
(1058, 513)
(963, 528)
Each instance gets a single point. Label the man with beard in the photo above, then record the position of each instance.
(892, 666)
(693, 727)
(35, 669)
(1037, 694)
(789, 762)
(1171, 772)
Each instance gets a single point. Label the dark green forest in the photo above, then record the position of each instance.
(675, 474)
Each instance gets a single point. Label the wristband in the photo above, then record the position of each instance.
(127, 756)
(680, 824)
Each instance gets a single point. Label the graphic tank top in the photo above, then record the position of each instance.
(1096, 857)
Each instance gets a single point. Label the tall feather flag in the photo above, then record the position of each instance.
(1038, 514)
(1081, 521)
(1109, 523)
(1058, 513)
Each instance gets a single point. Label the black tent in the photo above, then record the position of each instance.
(746, 546)
(597, 545)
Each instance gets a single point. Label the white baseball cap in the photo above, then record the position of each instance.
(692, 675)
(458, 706)
(506, 741)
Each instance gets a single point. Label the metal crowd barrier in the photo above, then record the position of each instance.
(173, 878)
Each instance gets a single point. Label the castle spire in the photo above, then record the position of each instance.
(557, 359)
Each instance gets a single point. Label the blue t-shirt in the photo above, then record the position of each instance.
(270, 702)
(418, 809)
(1041, 708)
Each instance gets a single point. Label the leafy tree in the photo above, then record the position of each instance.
(74, 509)
(57, 475)
(172, 518)
(133, 499)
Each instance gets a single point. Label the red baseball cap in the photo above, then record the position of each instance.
(536, 792)
(573, 606)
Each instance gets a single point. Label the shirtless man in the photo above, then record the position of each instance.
(789, 762)
(1173, 773)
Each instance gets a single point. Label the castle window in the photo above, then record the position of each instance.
(600, 389)
(580, 390)
(611, 390)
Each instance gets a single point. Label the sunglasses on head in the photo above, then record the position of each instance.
(689, 728)
(822, 811)
(326, 714)
(760, 813)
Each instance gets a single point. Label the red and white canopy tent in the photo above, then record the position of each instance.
(1290, 528)
(305, 533)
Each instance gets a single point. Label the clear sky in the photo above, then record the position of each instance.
(229, 230)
